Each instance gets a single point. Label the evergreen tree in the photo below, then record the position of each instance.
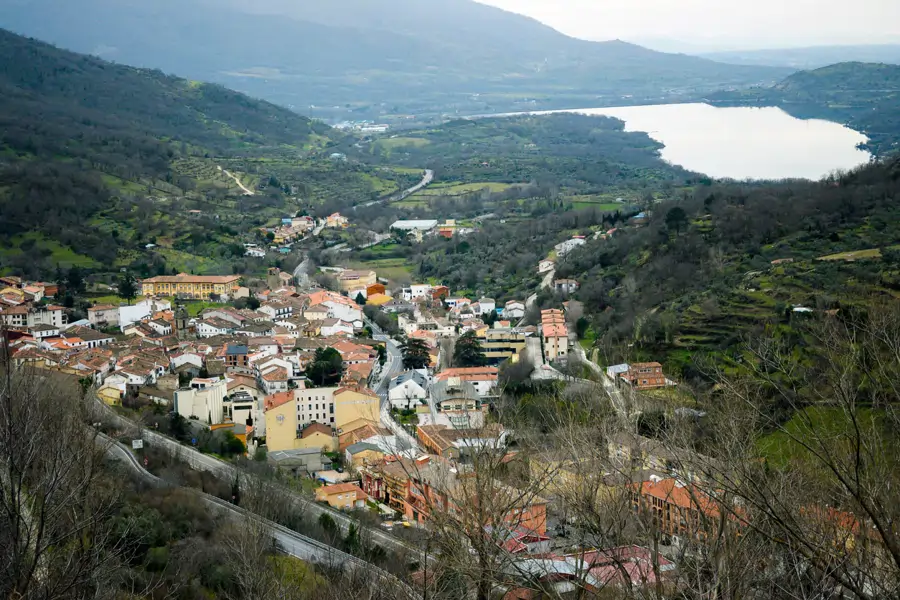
(127, 287)
(327, 367)
(468, 351)
(415, 354)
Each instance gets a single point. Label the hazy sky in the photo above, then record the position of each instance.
(720, 23)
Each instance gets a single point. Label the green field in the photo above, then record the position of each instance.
(57, 254)
(783, 448)
(856, 255)
(388, 268)
(460, 189)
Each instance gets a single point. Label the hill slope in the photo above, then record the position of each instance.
(415, 53)
(813, 57)
(98, 160)
(866, 96)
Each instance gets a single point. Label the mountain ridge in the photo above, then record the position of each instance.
(416, 54)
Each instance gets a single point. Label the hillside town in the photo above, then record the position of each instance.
(307, 379)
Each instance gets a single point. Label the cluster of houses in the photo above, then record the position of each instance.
(418, 229)
(294, 229)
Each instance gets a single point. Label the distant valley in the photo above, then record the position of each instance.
(813, 57)
(376, 57)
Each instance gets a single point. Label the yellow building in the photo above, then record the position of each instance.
(281, 422)
(317, 435)
(190, 286)
(378, 299)
(352, 404)
(502, 344)
(344, 496)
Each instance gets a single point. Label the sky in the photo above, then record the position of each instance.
(698, 25)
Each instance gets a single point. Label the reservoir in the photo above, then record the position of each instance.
(742, 142)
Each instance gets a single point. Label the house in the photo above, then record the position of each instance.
(483, 379)
(255, 252)
(565, 286)
(395, 306)
(339, 307)
(102, 315)
(317, 435)
(546, 265)
(644, 376)
(91, 337)
(378, 299)
(317, 312)
(40, 332)
(300, 461)
(456, 443)
(25, 316)
(679, 509)
(564, 248)
(459, 401)
(336, 221)
(288, 413)
(274, 378)
(421, 225)
(160, 326)
(556, 341)
(486, 306)
(204, 400)
(145, 309)
(236, 356)
(514, 310)
(502, 343)
(191, 286)
(343, 496)
(418, 291)
(213, 327)
(335, 327)
(361, 454)
(408, 390)
(276, 310)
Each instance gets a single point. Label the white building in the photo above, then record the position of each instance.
(422, 225)
(486, 306)
(203, 401)
(416, 291)
(213, 327)
(141, 310)
(567, 246)
(514, 309)
(332, 327)
(408, 389)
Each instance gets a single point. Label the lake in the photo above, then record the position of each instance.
(742, 142)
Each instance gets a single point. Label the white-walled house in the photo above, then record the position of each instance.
(141, 310)
(409, 389)
(203, 401)
(514, 309)
(486, 306)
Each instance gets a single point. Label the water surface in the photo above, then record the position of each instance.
(742, 142)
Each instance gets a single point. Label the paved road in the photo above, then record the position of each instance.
(427, 178)
(392, 367)
(203, 462)
(247, 192)
(288, 541)
(546, 282)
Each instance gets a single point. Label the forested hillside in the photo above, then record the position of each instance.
(865, 96)
(416, 56)
(97, 160)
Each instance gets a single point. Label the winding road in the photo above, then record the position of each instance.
(427, 178)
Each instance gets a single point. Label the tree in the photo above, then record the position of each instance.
(327, 367)
(676, 218)
(75, 281)
(415, 354)
(468, 351)
(56, 497)
(360, 299)
(127, 287)
(490, 318)
(382, 355)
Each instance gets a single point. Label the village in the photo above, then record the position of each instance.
(308, 380)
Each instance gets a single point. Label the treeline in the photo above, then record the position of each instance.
(701, 276)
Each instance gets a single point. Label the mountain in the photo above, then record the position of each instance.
(812, 57)
(99, 160)
(418, 54)
(865, 96)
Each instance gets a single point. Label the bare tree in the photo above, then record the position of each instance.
(55, 499)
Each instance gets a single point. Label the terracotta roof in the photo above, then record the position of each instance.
(314, 428)
(279, 374)
(278, 399)
(469, 374)
(672, 491)
(97, 307)
(343, 488)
